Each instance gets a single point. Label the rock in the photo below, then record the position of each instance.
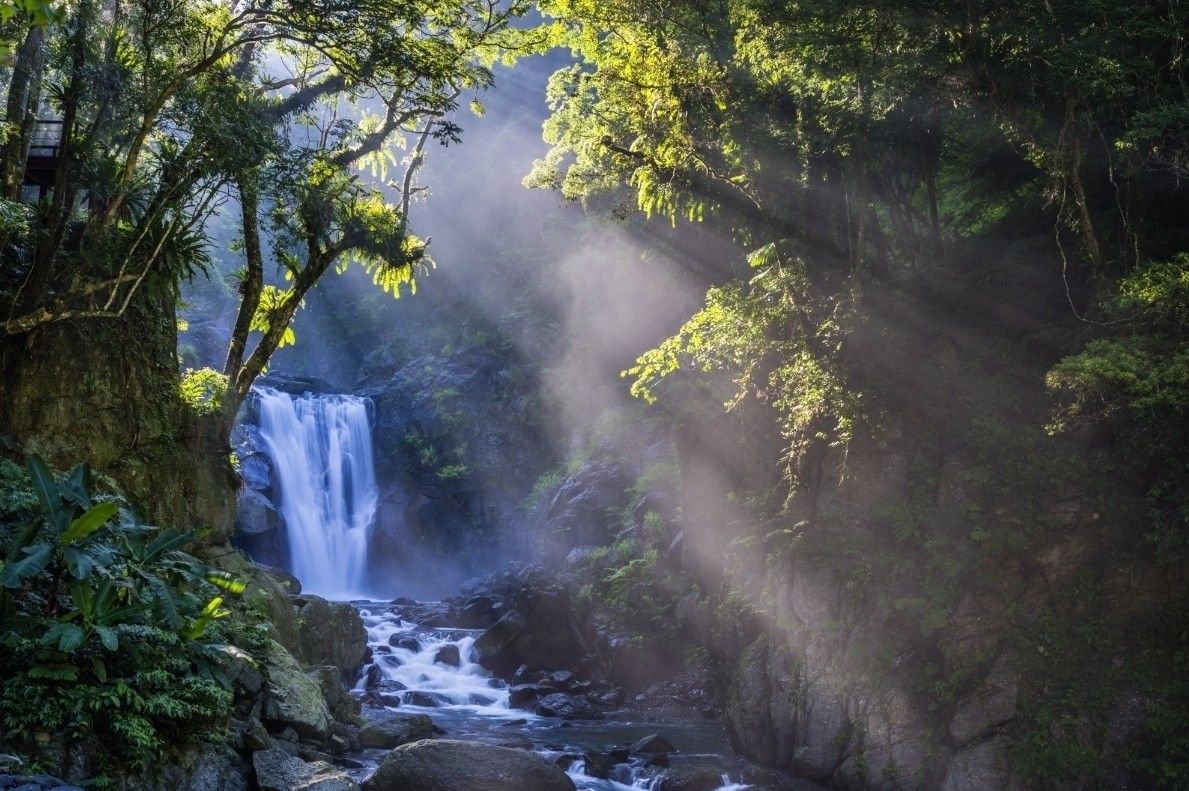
(292, 698)
(278, 771)
(480, 612)
(405, 642)
(538, 630)
(211, 769)
(343, 706)
(430, 615)
(992, 703)
(448, 765)
(579, 510)
(525, 696)
(980, 766)
(284, 578)
(424, 699)
(448, 655)
(568, 707)
(395, 730)
(331, 633)
(597, 765)
(653, 743)
(254, 514)
(690, 778)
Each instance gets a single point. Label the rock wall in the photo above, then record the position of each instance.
(869, 663)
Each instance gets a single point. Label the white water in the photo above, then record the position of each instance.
(470, 705)
(321, 448)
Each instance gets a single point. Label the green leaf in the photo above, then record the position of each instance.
(166, 541)
(99, 668)
(164, 601)
(68, 636)
(108, 637)
(95, 517)
(224, 580)
(23, 540)
(46, 488)
(54, 672)
(34, 562)
(84, 599)
(76, 488)
(78, 562)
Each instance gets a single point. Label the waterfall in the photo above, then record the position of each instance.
(321, 448)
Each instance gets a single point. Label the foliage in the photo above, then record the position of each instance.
(781, 343)
(168, 109)
(103, 619)
(1135, 381)
(203, 390)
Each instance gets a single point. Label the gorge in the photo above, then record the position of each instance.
(826, 392)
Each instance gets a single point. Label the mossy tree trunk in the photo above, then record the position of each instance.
(105, 391)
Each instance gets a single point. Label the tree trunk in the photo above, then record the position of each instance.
(24, 96)
(106, 392)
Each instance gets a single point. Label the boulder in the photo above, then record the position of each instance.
(331, 633)
(254, 513)
(343, 706)
(292, 698)
(396, 730)
(579, 510)
(690, 778)
(568, 707)
(286, 579)
(653, 743)
(991, 704)
(213, 769)
(537, 629)
(448, 765)
(276, 770)
(448, 655)
(598, 765)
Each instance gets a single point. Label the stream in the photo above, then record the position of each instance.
(467, 703)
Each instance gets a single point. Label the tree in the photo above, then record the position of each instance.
(171, 112)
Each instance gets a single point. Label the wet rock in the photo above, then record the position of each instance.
(278, 771)
(429, 615)
(405, 642)
(597, 765)
(292, 699)
(447, 655)
(448, 765)
(479, 612)
(538, 630)
(579, 510)
(423, 699)
(331, 633)
(254, 514)
(690, 778)
(979, 767)
(525, 696)
(396, 730)
(568, 707)
(343, 706)
(653, 743)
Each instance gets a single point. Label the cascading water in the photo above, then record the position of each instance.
(321, 448)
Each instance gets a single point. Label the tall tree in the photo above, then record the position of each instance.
(169, 111)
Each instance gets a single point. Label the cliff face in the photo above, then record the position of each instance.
(953, 609)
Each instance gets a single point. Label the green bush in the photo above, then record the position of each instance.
(104, 619)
